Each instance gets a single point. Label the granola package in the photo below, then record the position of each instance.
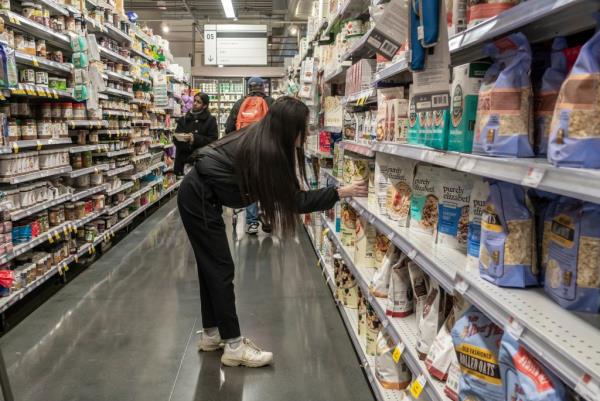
(424, 201)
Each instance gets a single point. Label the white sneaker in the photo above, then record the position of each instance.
(246, 354)
(208, 343)
(252, 229)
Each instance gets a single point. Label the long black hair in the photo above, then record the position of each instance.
(270, 161)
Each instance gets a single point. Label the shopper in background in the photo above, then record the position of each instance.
(196, 129)
(257, 163)
(246, 111)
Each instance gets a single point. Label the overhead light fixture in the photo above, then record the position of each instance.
(165, 28)
(228, 8)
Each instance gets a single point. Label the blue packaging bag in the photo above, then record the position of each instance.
(508, 255)
(430, 21)
(523, 377)
(417, 52)
(476, 341)
(572, 271)
(504, 124)
(575, 131)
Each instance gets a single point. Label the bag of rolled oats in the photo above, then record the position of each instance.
(364, 249)
(477, 203)
(380, 283)
(424, 201)
(373, 328)
(575, 131)
(504, 124)
(454, 195)
(349, 288)
(507, 255)
(393, 180)
(573, 268)
(348, 222)
(391, 375)
(431, 318)
(382, 244)
(400, 299)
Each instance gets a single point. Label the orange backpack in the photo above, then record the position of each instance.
(253, 109)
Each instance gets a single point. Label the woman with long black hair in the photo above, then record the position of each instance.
(263, 163)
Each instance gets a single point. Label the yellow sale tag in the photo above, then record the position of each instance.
(34, 61)
(2, 96)
(30, 91)
(66, 267)
(54, 95)
(50, 240)
(39, 145)
(65, 231)
(15, 147)
(40, 92)
(398, 352)
(416, 387)
(76, 259)
(56, 236)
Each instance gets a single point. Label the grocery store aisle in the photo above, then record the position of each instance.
(125, 328)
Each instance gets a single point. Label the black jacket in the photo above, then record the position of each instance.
(232, 119)
(215, 167)
(203, 125)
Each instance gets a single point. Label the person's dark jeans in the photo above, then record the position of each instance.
(252, 214)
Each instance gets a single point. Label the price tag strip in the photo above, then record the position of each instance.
(417, 386)
(398, 352)
(533, 177)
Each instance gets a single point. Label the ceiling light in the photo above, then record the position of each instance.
(165, 28)
(228, 8)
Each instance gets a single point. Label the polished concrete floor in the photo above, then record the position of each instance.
(125, 329)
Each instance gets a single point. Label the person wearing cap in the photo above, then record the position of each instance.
(199, 128)
(256, 87)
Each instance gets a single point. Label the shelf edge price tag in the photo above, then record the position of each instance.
(533, 177)
(34, 61)
(588, 388)
(56, 236)
(38, 145)
(398, 352)
(412, 254)
(461, 286)
(15, 147)
(416, 387)
(515, 327)
(50, 239)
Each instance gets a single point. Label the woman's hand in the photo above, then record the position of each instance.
(359, 190)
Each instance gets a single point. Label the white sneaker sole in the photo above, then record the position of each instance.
(236, 362)
(210, 348)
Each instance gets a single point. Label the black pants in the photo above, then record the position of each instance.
(203, 222)
(183, 150)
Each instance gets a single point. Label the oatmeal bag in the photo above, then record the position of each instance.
(524, 378)
(466, 83)
(393, 180)
(575, 130)
(431, 318)
(477, 203)
(454, 195)
(482, 10)
(349, 291)
(419, 282)
(440, 353)
(348, 220)
(364, 248)
(507, 255)
(391, 375)
(476, 342)
(382, 244)
(424, 200)
(504, 124)
(573, 269)
(562, 60)
(400, 299)
(380, 283)
(544, 205)
(373, 329)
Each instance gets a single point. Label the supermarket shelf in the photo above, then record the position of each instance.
(20, 23)
(88, 170)
(117, 113)
(109, 54)
(360, 49)
(138, 53)
(330, 177)
(22, 213)
(156, 145)
(115, 76)
(361, 98)
(86, 148)
(539, 20)
(38, 144)
(55, 8)
(141, 122)
(403, 330)
(36, 91)
(117, 34)
(141, 157)
(120, 206)
(146, 188)
(123, 187)
(348, 9)
(362, 149)
(43, 64)
(397, 69)
(87, 123)
(88, 192)
(339, 73)
(140, 101)
(141, 139)
(114, 153)
(536, 173)
(118, 92)
(555, 336)
(169, 145)
(319, 155)
(143, 80)
(36, 175)
(147, 171)
(119, 170)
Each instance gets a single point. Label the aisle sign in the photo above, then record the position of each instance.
(235, 44)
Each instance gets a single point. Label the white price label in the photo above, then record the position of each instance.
(385, 323)
(391, 235)
(533, 177)
(412, 254)
(461, 286)
(420, 32)
(514, 327)
(588, 388)
(466, 164)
